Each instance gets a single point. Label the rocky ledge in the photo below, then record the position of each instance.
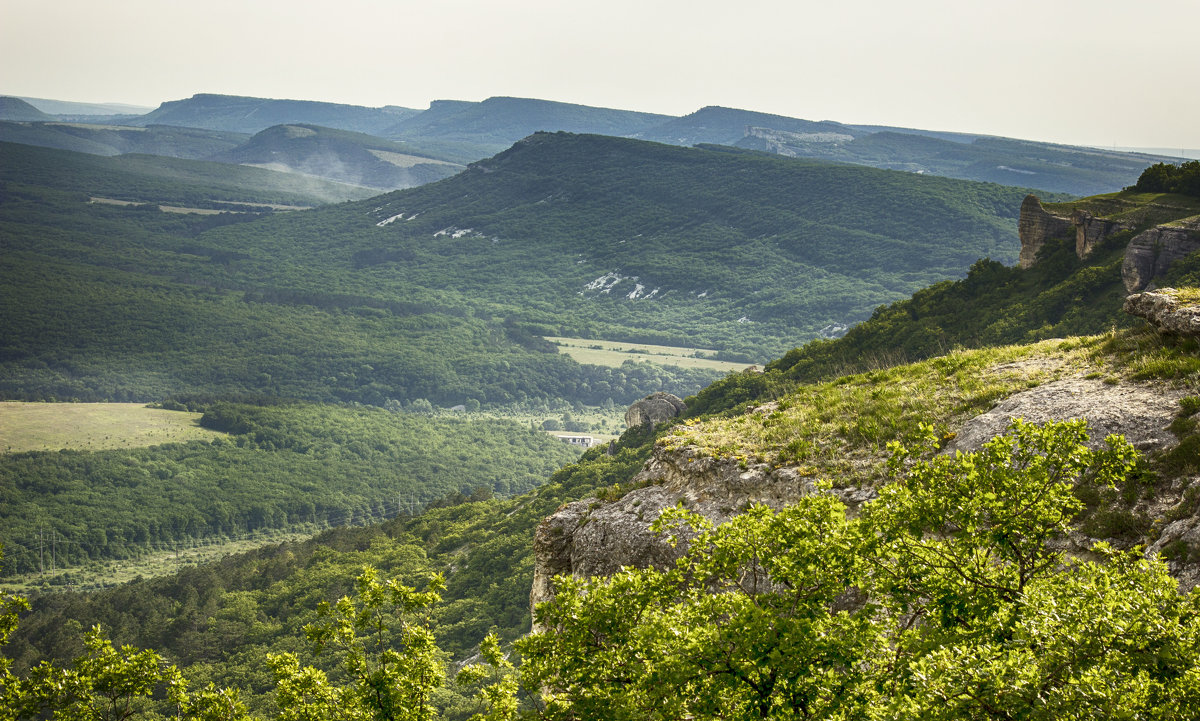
(1150, 254)
(1166, 311)
(595, 537)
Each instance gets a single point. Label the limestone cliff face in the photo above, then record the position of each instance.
(1090, 231)
(1150, 254)
(595, 538)
(1035, 227)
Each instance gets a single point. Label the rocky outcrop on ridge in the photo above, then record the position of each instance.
(1150, 254)
(595, 537)
(1166, 312)
(654, 409)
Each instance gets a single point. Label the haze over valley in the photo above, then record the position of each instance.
(627, 362)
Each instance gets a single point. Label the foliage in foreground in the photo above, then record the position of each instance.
(945, 598)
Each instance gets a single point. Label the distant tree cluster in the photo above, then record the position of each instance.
(1167, 178)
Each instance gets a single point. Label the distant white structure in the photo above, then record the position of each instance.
(581, 441)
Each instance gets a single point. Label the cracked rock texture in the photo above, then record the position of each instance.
(1150, 254)
(1165, 312)
(1140, 413)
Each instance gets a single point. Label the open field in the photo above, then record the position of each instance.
(93, 426)
(613, 354)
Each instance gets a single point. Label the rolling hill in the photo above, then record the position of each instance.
(17, 109)
(98, 139)
(340, 155)
(440, 292)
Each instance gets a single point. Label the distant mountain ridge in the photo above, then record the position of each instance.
(505, 120)
(108, 139)
(67, 107)
(251, 115)
(465, 131)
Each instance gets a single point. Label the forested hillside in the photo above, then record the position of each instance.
(112, 302)
(220, 623)
(601, 237)
(282, 466)
(577, 236)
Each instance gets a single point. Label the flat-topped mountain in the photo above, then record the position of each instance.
(1060, 168)
(503, 121)
(250, 115)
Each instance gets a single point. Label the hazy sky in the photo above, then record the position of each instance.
(1098, 72)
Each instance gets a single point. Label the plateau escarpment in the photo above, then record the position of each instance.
(1167, 229)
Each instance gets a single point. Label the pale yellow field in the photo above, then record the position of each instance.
(400, 160)
(613, 354)
(163, 208)
(93, 426)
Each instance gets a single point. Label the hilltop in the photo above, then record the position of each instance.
(17, 109)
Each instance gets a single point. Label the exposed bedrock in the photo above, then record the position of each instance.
(1149, 255)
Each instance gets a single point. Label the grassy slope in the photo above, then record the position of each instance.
(1059, 296)
(93, 426)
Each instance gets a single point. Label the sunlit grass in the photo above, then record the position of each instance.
(844, 426)
(94, 426)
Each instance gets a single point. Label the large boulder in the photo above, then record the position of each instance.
(654, 409)
(1164, 310)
